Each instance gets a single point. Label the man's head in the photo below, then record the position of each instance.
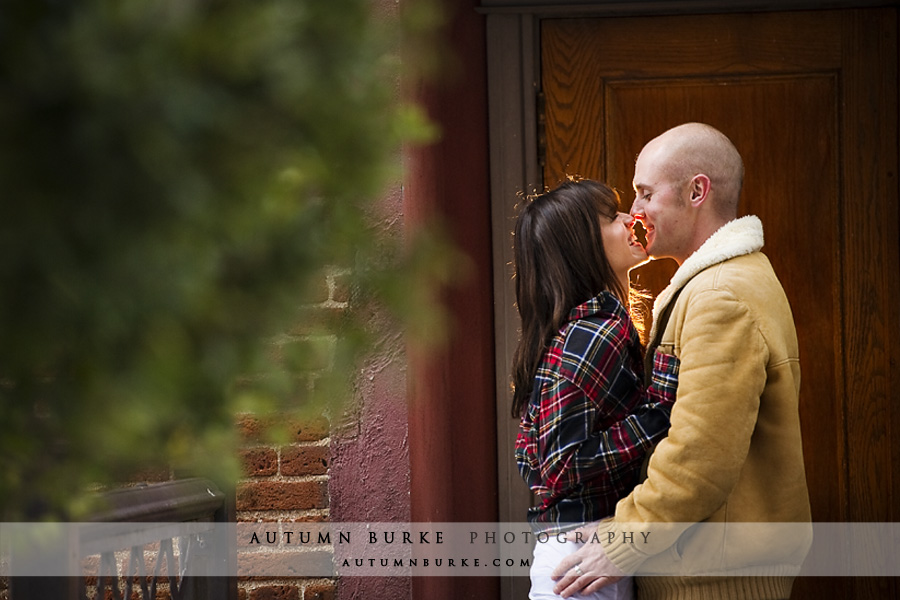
(687, 183)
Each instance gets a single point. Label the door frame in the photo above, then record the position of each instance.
(515, 139)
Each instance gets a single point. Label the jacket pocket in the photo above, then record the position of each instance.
(664, 378)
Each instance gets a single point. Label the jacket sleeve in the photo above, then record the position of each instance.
(693, 471)
(576, 453)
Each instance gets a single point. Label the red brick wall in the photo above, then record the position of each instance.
(285, 484)
(288, 483)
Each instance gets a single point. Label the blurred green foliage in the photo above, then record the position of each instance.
(177, 179)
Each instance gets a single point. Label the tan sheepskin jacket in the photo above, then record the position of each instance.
(732, 461)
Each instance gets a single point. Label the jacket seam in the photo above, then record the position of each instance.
(784, 361)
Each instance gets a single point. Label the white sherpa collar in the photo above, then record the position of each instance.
(735, 238)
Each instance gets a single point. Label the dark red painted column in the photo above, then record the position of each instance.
(452, 422)
(423, 446)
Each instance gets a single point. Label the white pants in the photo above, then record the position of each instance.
(548, 555)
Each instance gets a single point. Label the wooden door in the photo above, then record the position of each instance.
(809, 98)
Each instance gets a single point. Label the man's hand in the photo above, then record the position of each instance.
(586, 570)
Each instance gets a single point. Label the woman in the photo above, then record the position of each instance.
(587, 418)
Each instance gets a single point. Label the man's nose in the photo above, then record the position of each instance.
(636, 211)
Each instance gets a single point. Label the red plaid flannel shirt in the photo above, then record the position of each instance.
(591, 421)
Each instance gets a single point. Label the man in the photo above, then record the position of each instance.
(733, 453)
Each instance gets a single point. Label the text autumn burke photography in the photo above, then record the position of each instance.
(274, 537)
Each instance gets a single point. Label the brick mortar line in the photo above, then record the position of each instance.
(305, 443)
(301, 583)
(309, 512)
(288, 581)
(280, 548)
(278, 478)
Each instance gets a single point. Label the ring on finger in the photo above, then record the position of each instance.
(578, 570)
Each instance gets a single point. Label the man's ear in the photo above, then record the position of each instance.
(700, 187)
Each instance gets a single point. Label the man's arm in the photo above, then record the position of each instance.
(722, 376)
(693, 471)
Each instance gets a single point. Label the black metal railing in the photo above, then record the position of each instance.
(153, 555)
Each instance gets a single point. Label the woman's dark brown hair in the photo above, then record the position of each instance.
(560, 263)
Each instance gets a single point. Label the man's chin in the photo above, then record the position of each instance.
(654, 252)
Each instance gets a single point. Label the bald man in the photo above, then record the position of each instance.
(724, 510)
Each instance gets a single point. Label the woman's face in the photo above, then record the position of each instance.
(622, 248)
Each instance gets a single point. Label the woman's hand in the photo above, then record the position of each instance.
(586, 570)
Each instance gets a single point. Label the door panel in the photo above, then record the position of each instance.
(810, 101)
(794, 193)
